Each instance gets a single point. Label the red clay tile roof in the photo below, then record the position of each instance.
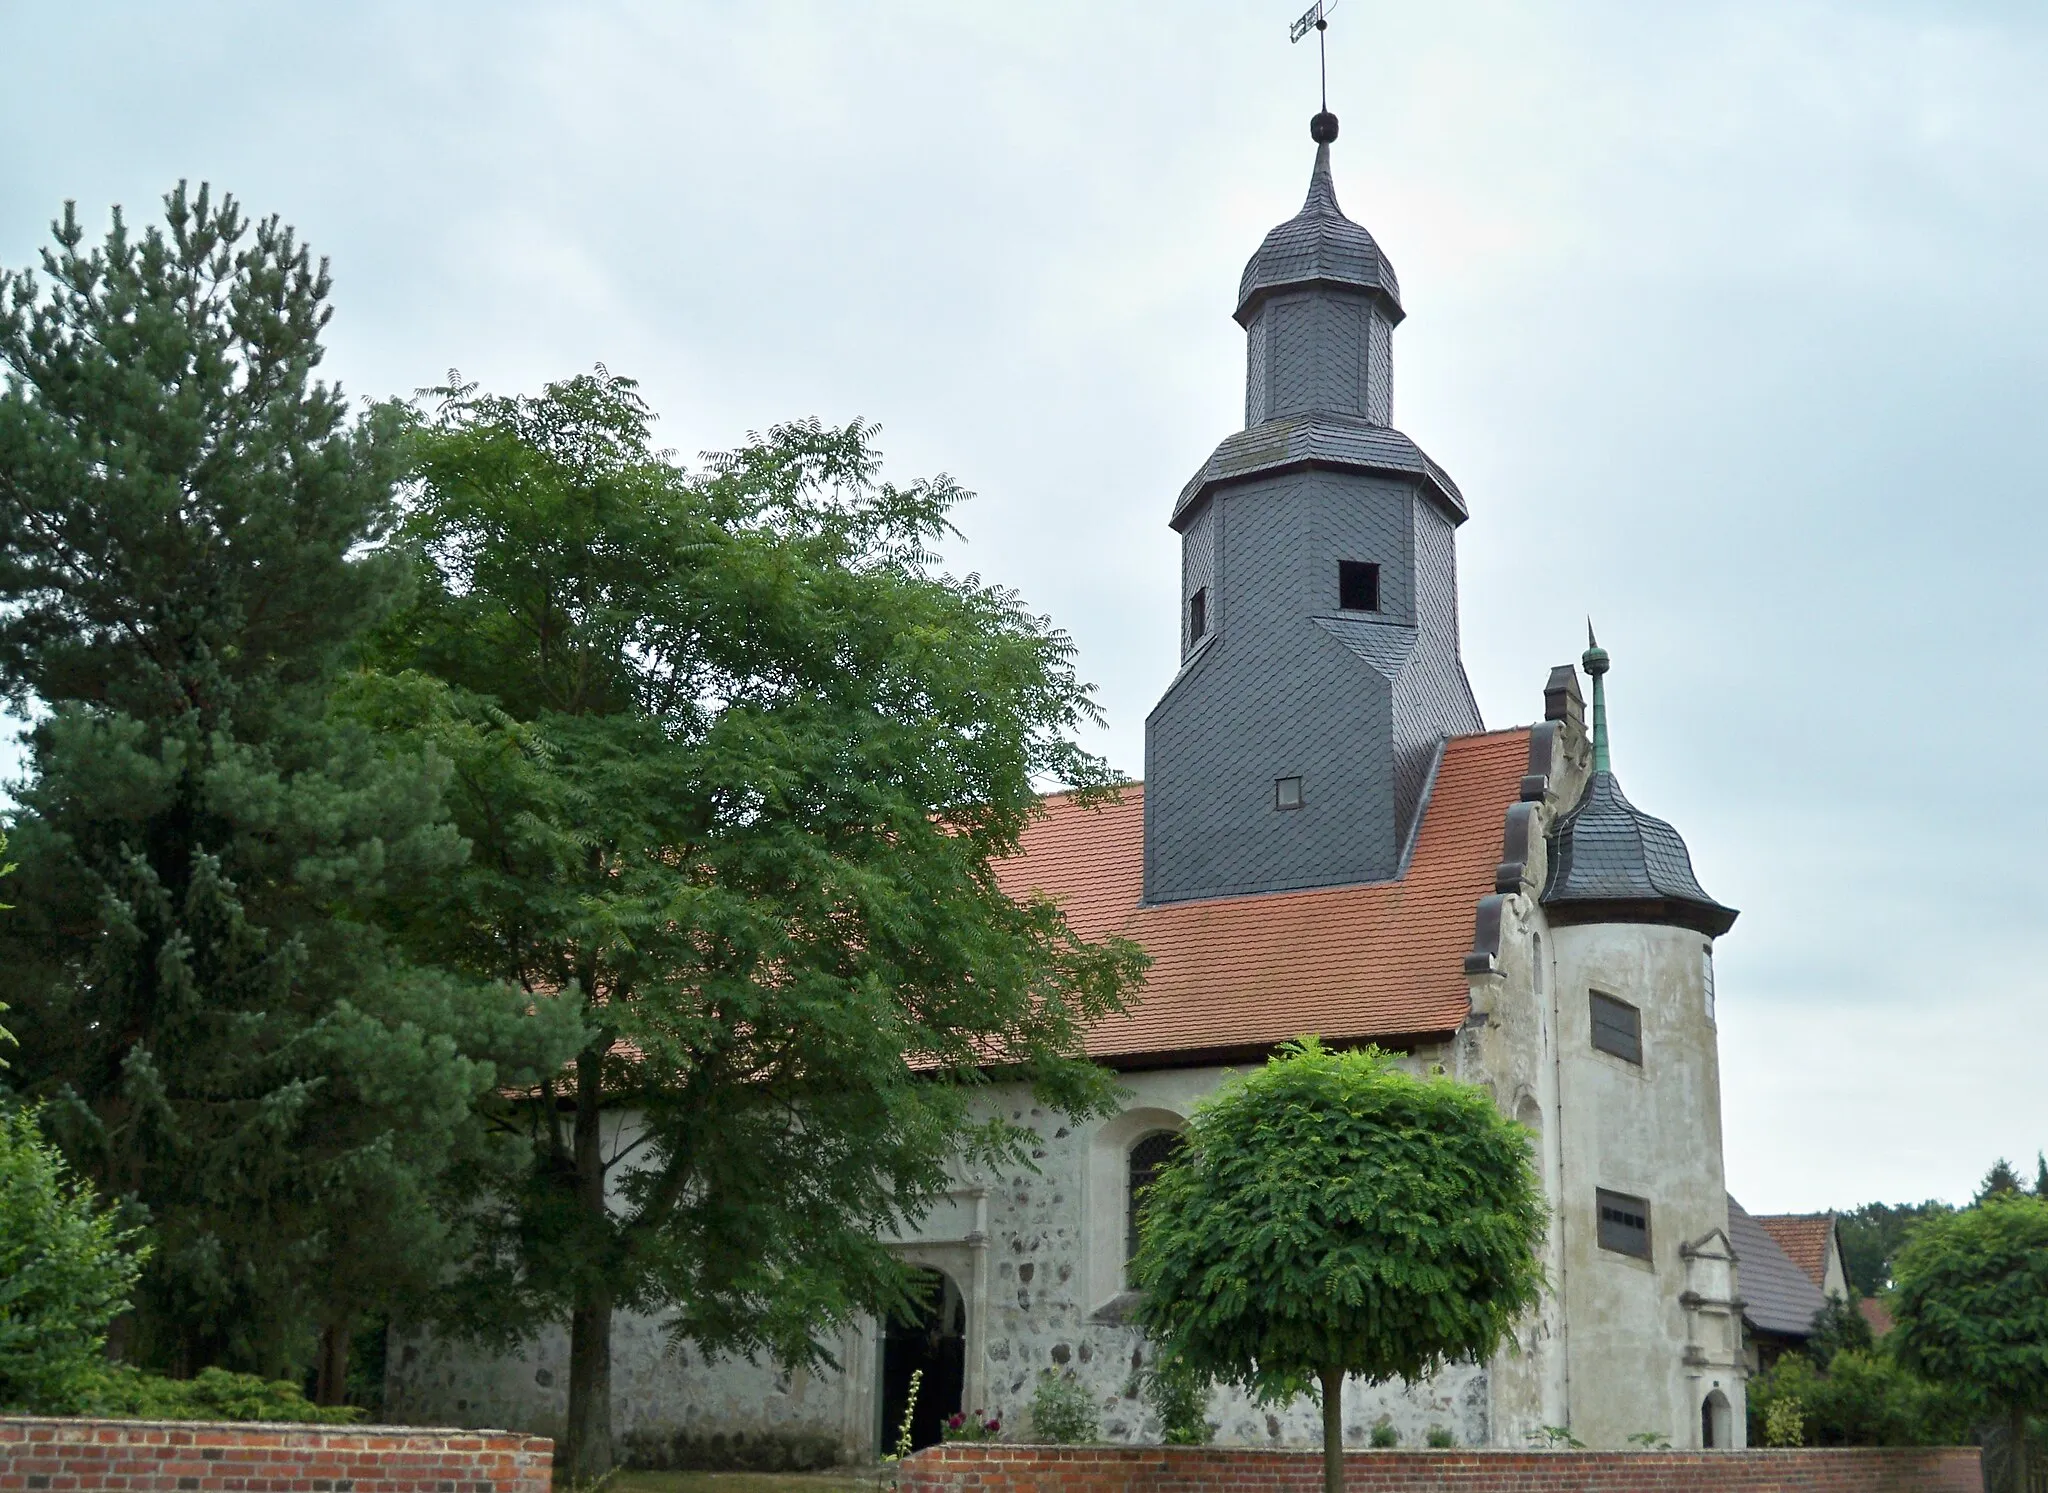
(1804, 1238)
(1384, 959)
(1875, 1314)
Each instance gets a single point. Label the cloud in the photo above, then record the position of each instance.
(1727, 318)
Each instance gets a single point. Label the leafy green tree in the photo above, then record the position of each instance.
(65, 1272)
(736, 765)
(2041, 1174)
(1872, 1236)
(1971, 1309)
(1331, 1216)
(192, 538)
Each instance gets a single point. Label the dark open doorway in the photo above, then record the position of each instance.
(932, 1342)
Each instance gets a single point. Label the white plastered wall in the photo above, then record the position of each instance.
(1650, 1340)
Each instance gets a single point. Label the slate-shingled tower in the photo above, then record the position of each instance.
(1319, 593)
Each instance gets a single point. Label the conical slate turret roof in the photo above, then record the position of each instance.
(1318, 246)
(1612, 863)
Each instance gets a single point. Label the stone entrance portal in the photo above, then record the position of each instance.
(933, 1342)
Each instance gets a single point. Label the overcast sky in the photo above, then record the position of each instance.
(1728, 318)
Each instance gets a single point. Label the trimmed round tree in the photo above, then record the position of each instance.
(1971, 1308)
(1332, 1215)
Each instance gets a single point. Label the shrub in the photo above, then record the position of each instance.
(65, 1273)
(1442, 1437)
(1180, 1393)
(1785, 1422)
(1062, 1410)
(127, 1393)
(1385, 1436)
(1861, 1399)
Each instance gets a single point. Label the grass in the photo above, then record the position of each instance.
(737, 1482)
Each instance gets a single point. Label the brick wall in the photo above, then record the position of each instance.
(1050, 1469)
(207, 1457)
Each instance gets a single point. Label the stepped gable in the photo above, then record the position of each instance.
(1235, 975)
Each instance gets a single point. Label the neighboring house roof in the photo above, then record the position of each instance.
(1874, 1313)
(1379, 960)
(1777, 1296)
(1805, 1238)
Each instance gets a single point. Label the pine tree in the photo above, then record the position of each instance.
(2003, 1180)
(192, 536)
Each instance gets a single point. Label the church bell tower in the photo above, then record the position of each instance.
(1319, 599)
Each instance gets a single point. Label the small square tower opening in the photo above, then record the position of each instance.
(1358, 586)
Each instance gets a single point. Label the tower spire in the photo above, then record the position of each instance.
(1595, 661)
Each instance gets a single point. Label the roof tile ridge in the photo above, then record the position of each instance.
(1068, 795)
(1276, 894)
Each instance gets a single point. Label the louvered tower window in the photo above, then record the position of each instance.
(1624, 1223)
(1617, 1028)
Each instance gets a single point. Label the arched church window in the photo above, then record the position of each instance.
(1146, 1158)
(1542, 978)
(1707, 975)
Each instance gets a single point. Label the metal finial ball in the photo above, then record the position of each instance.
(1323, 128)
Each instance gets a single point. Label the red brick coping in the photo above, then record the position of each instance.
(262, 1457)
(998, 1468)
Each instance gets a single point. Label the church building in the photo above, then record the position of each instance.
(1327, 840)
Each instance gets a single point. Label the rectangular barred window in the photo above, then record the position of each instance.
(1617, 1028)
(1624, 1224)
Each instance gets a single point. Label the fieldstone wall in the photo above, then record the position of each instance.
(1039, 1258)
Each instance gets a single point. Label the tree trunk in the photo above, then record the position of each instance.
(2016, 1435)
(1333, 1431)
(587, 1444)
(330, 1384)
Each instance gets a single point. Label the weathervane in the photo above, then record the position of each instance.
(1323, 128)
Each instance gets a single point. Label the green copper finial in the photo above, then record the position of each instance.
(1595, 660)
